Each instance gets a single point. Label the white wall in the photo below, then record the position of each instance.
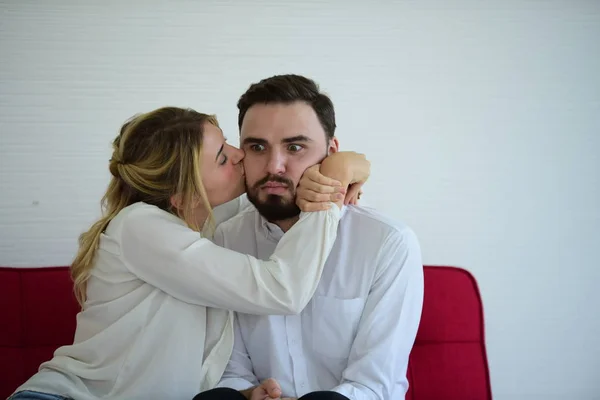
(482, 120)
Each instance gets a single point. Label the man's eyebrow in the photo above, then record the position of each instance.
(297, 138)
(293, 139)
(253, 140)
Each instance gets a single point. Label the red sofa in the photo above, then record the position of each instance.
(448, 361)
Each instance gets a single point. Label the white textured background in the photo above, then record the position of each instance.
(481, 118)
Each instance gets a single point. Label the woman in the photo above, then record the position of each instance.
(157, 297)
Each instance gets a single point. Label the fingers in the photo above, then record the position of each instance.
(307, 183)
(271, 386)
(353, 193)
(258, 393)
(352, 201)
(312, 196)
(315, 191)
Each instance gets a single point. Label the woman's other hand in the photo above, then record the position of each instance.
(316, 192)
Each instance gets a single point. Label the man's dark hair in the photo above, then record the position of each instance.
(286, 89)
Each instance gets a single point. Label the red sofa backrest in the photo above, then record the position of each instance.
(448, 361)
(37, 315)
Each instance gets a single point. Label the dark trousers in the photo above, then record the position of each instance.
(231, 394)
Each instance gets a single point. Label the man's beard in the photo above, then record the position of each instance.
(274, 207)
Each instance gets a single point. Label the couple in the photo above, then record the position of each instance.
(327, 297)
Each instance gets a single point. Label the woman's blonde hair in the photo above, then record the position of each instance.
(155, 156)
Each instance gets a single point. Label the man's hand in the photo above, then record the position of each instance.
(268, 389)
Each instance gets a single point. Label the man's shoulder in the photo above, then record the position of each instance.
(246, 216)
(368, 219)
(384, 237)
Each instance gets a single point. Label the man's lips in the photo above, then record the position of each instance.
(273, 185)
(277, 188)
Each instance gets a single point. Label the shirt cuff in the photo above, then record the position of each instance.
(235, 383)
(333, 209)
(355, 393)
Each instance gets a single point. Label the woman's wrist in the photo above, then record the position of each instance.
(336, 167)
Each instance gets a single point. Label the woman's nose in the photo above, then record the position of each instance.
(238, 154)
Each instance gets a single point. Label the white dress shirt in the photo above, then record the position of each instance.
(156, 323)
(355, 335)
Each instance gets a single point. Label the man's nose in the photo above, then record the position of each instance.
(276, 164)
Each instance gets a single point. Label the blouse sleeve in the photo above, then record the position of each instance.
(165, 253)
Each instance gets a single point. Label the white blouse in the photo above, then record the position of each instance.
(157, 323)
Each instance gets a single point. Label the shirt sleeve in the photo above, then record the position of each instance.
(377, 366)
(239, 374)
(167, 254)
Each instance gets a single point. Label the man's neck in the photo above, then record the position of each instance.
(286, 224)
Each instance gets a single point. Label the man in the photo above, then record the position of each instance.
(354, 337)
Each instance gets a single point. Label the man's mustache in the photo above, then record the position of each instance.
(274, 178)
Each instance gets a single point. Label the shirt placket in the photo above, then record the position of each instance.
(293, 327)
(294, 340)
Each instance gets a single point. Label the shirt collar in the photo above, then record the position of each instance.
(274, 232)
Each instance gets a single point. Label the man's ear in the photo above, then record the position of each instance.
(334, 146)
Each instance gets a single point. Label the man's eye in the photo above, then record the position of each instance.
(294, 147)
(257, 147)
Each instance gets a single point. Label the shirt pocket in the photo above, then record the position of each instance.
(334, 324)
